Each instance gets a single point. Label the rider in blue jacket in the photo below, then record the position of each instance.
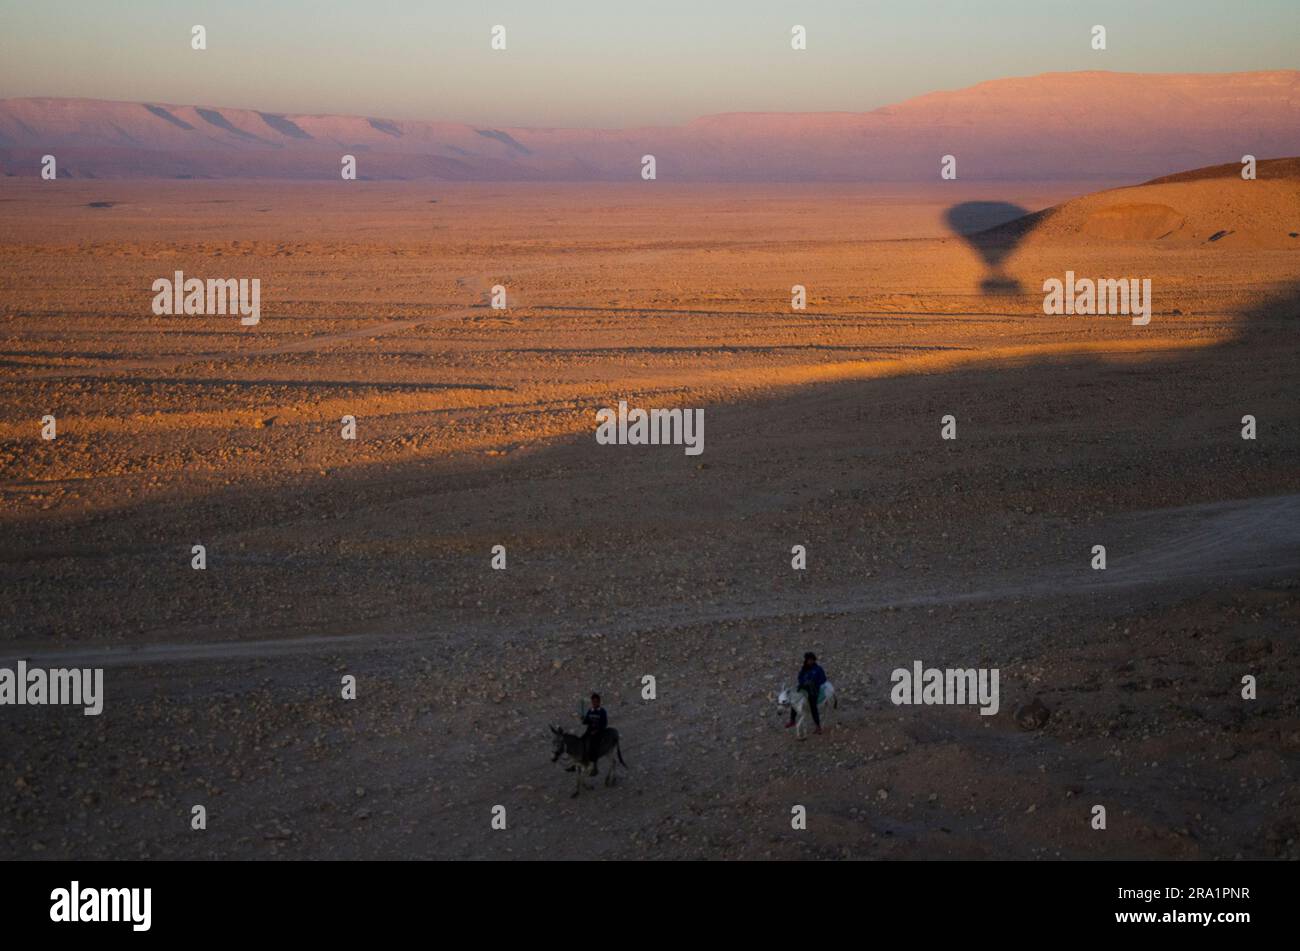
(811, 678)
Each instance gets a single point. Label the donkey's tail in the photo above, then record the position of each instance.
(618, 751)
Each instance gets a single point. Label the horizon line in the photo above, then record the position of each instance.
(707, 115)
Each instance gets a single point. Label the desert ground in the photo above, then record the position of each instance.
(328, 557)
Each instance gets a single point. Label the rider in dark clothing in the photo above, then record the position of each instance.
(811, 678)
(595, 720)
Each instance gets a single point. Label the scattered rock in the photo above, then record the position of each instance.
(1032, 716)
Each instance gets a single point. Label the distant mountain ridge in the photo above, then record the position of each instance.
(1063, 126)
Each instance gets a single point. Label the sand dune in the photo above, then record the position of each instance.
(1056, 126)
(1212, 206)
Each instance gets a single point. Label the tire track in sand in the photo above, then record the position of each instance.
(1249, 538)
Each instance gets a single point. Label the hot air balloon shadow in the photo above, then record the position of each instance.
(993, 229)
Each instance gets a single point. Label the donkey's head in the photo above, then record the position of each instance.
(557, 743)
(783, 698)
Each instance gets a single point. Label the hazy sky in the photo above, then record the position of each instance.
(607, 63)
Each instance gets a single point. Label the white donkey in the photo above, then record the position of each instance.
(798, 700)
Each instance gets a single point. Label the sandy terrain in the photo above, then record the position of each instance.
(475, 428)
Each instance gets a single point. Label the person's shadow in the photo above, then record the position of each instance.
(993, 229)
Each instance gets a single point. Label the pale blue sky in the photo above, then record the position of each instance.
(610, 63)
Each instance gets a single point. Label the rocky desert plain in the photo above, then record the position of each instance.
(475, 427)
